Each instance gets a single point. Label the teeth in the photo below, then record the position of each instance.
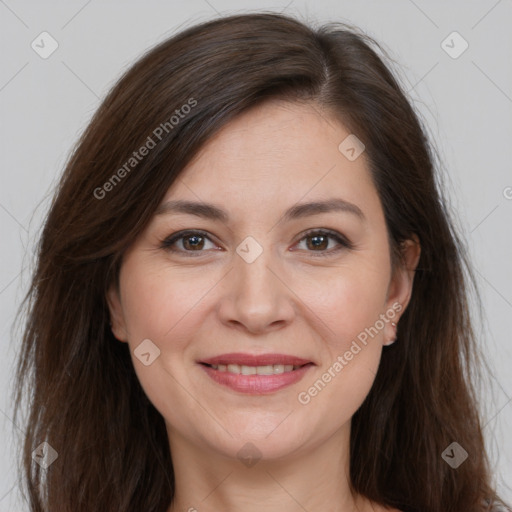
(233, 368)
(271, 369)
(265, 370)
(248, 370)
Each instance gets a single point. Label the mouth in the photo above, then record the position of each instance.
(256, 374)
(269, 369)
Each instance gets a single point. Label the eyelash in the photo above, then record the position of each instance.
(344, 242)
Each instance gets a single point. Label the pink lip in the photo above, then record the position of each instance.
(256, 384)
(255, 360)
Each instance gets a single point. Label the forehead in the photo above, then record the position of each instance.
(275, 154)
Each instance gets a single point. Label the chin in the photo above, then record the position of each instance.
(271, 438)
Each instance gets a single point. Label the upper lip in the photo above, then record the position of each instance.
(255, 360)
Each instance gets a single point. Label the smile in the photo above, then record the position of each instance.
(256, 374)
(270, 369)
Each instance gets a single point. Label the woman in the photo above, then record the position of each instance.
(249, 295)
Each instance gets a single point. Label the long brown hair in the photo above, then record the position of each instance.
(83, 396)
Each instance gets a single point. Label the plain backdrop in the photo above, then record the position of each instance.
(464, 96)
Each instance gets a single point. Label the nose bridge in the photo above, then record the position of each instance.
(253, 271)
(255, 296)
(255, 285)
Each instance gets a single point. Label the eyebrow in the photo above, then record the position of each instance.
(210, 211)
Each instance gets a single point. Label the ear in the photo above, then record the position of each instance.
(116, 314)
(400, 286)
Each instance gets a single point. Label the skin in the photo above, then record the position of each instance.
(210, 301)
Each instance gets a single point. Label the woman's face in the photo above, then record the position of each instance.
(258, 272)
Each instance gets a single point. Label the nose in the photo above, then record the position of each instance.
(255, 296)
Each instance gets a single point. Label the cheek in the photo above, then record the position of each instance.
(346, 299)
(335, 396)
(350, 305)
(156, 300)
(349, 301)
(159, 305)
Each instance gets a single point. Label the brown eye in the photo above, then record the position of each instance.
(318, 241)
(193, 242)
(187, 242)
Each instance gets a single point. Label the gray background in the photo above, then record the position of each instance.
(466, 103)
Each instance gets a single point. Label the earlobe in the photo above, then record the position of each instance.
(393, 336)
(117, 323)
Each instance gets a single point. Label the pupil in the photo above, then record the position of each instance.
(318, 240)
(195, 241)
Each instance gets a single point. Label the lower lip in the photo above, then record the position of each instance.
(256, 384)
